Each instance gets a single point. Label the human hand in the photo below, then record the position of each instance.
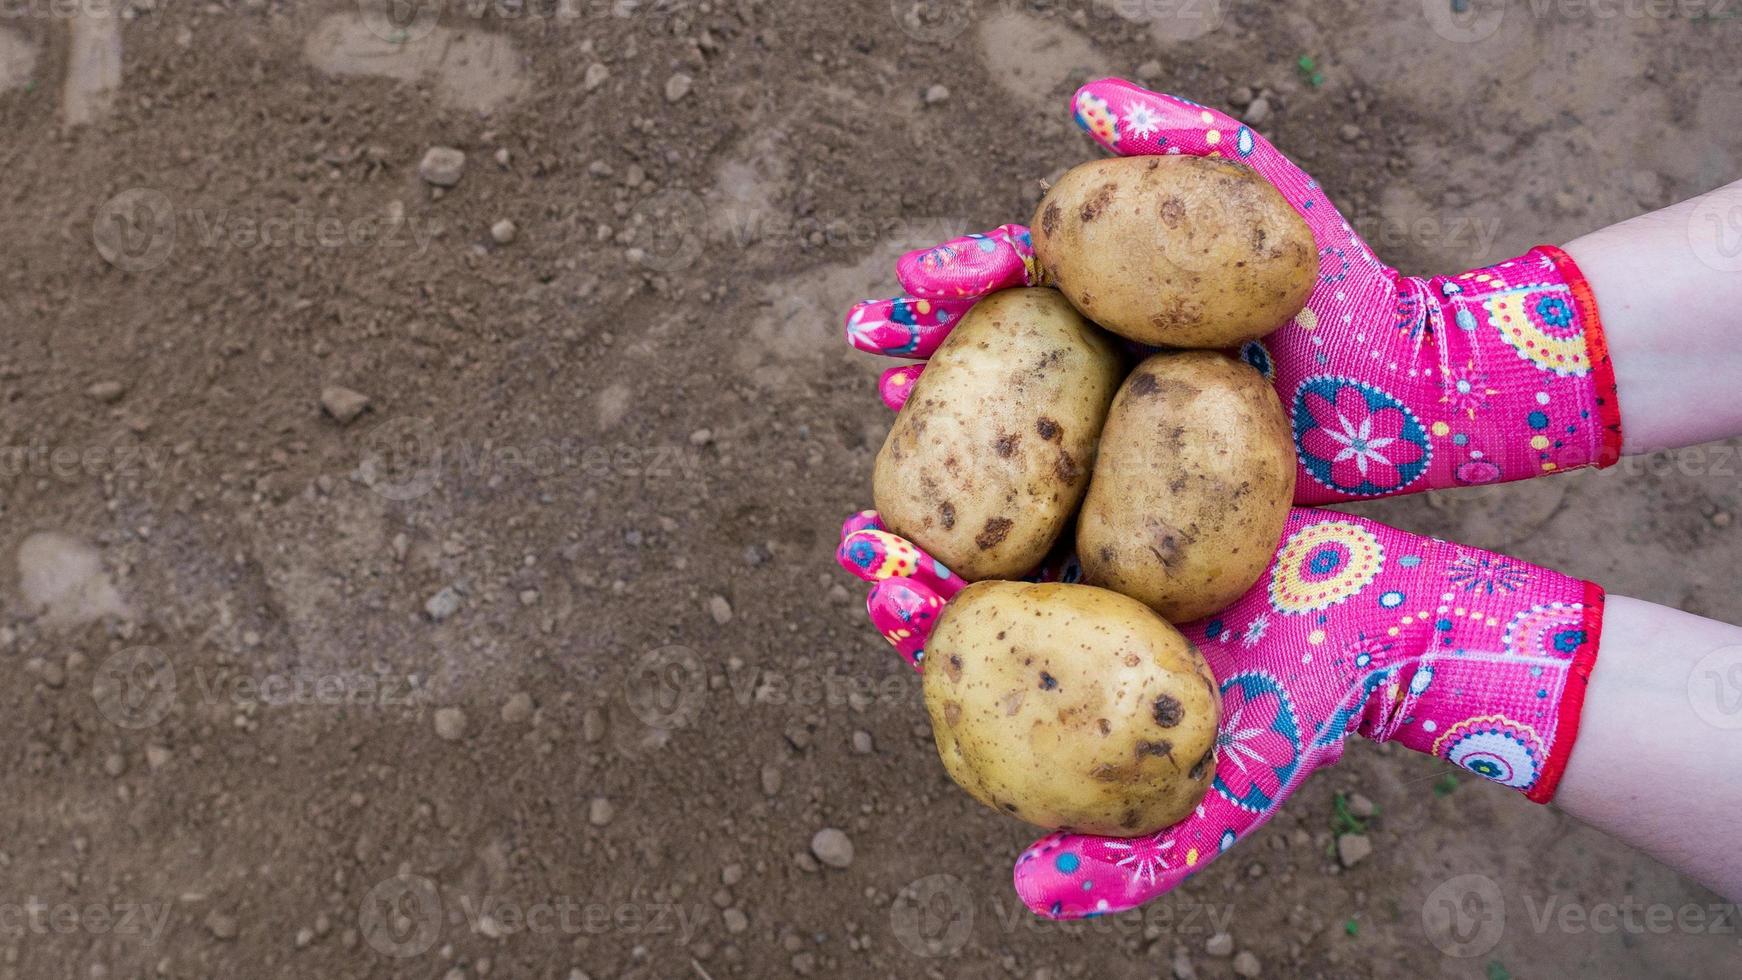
(1394, 384)
(1355, 627)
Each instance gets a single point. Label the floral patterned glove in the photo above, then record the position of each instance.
(1394, 384)
(1355, 627)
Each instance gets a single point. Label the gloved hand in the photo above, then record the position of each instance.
(1394, 384)
(1355, 628)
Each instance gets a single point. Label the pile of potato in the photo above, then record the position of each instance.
(1079, 706)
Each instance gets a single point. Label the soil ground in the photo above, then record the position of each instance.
(541, 666)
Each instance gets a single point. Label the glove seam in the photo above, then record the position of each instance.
(1572, 698)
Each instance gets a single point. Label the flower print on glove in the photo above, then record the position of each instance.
(1394, 384)
(1355, 628)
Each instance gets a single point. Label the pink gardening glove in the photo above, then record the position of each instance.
(1355, 627)
(1394, 384)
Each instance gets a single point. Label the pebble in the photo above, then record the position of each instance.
(862, 743)
(832, 847)
(1722, 519)
(720, 609)
(49, 672)
(771, 779)
(442, 166)
(678, 86)
(115, 764)
(1361, 806)
(593, 725)
(731, 874)
(1246, 964)
(1149, 71)
(596, 75)
(518, 708)
(107, 392)
(1221, 944)
(1182, 965)
(443, 604)
(600, 811)
(701, 437)
(157, 756)
(450, 724)
(343, 404)
(937, 94)
(503, 156)
(735, 920)
(503, 232)
(1350, 132)
(1257, 111)
(220, 925)
(1352, 848)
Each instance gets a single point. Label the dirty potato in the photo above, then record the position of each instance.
(1193, 482)
(990, 455)
(1175, 251)
(1071, 707)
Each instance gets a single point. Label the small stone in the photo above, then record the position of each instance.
(442, 166)
(343, 404)
(503, 232)
(1257, 112)
(600, 811)
(115, 764)
(1221, 944)
(596, 75)
(678, 86)
(862, 743)
(735, 920)
(1241, 97)
(443, 604)
(1350, 132)
(158, 756)
(49, 672)
(1352, 848)
(1149, 71)
(450, 724)
(518, 708)
(529, 597)
(804, 964)
(1246, 965)
(720, 609)
(107, 392)
(593, 725)
(220, 925)
(1361, 806)
(731, 874)
(1182, 965)
(832, 847)
(503, 156)
(771, 779)
(701, 437)
(937, 94)
(1722, 519)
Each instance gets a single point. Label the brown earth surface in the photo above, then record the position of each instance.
(541, 666)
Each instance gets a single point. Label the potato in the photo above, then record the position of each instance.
(1175, 251)
(1071, 707)
(1194, 480)
(990, 456)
